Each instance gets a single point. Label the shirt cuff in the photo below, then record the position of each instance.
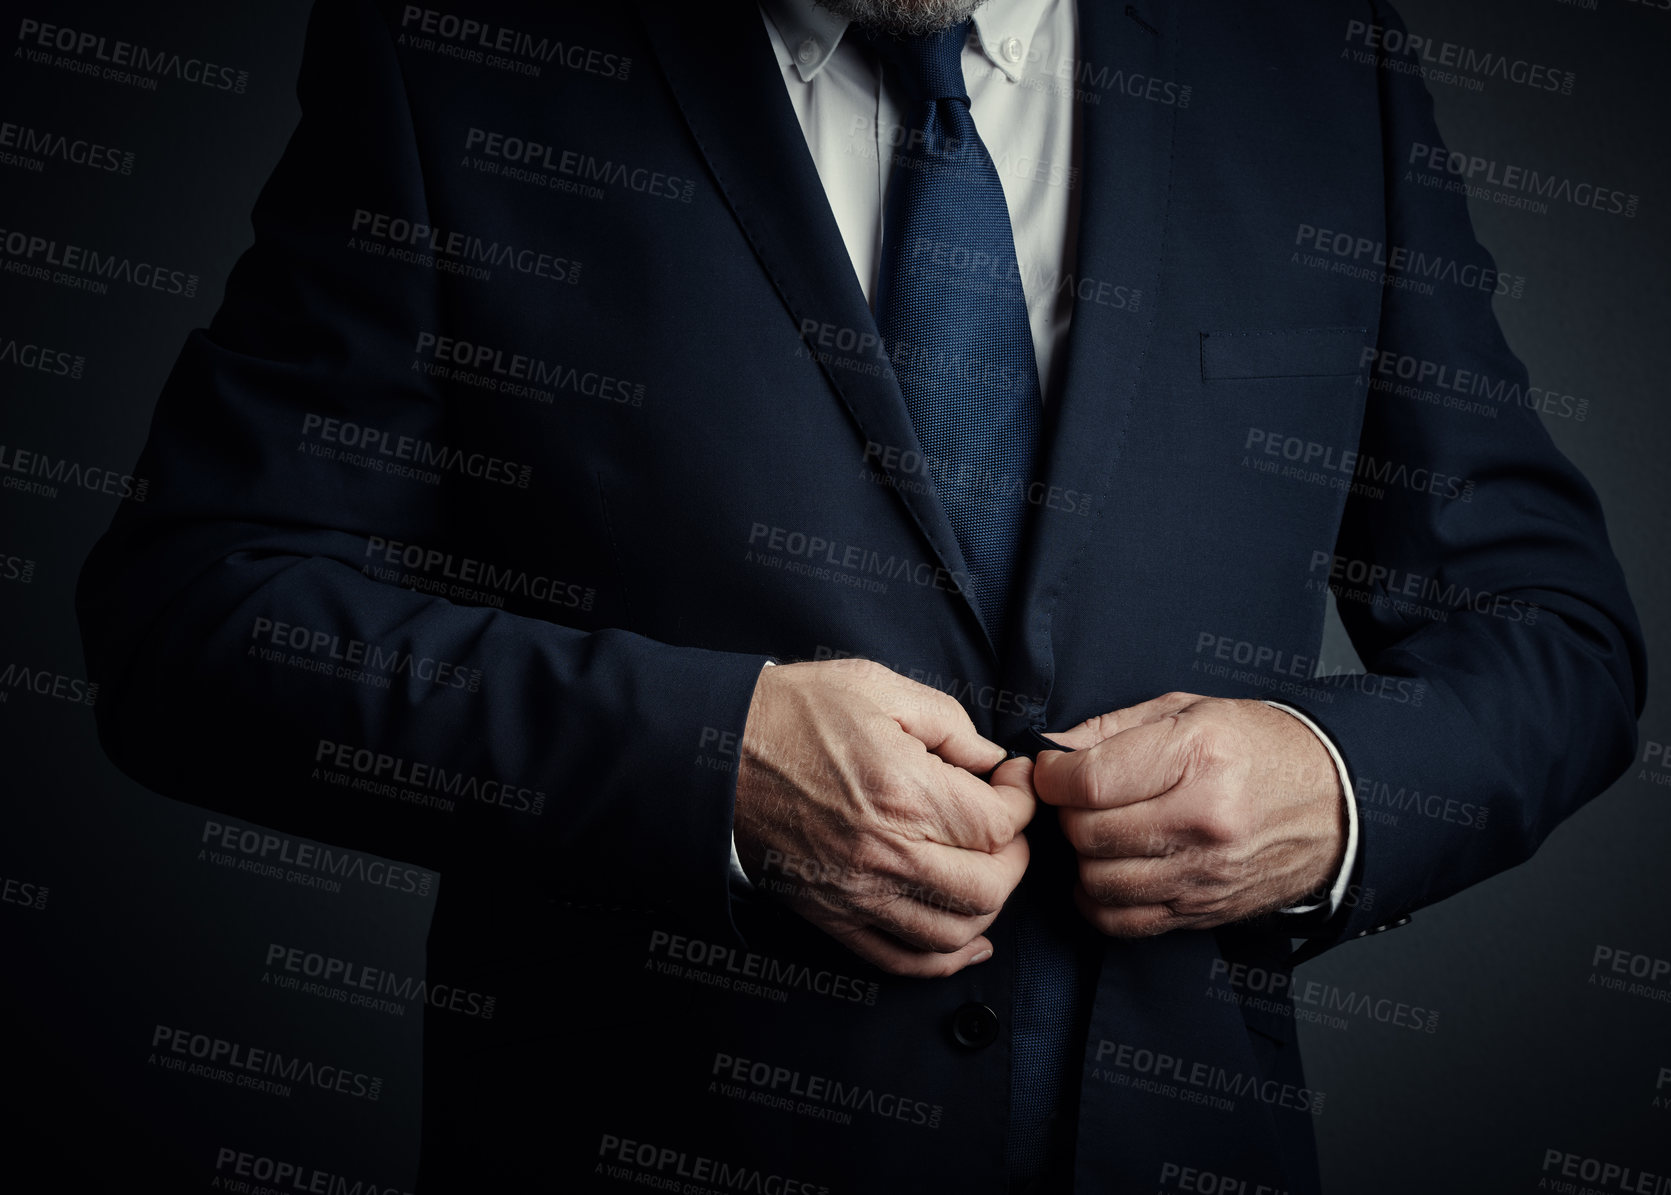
(738, 875)
(1337, 890)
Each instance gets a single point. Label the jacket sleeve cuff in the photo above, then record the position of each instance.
(739, 877)
(1337, 890)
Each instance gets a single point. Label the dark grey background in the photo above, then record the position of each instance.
(1528, 1052)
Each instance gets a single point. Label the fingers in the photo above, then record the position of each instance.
(1012, 783)
(918, 853)
(876, 947)
(1141, 921)
(962, 810)
(940, 897)
(1143, 761)
(936, 720)
(1142, 830)
(1181, 881)
(1104, 726)
(948, 910)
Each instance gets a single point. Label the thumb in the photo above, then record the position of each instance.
(1079, 738)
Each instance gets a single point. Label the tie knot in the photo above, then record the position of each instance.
(928, 67)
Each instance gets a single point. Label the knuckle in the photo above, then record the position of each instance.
(995, 828)
(1085, 787)
(1219, 825)
(1076, 828)
(1098, 884)
(869, 857)
(1202, 745)
(944, 704)
(861, 668)
(947, 939)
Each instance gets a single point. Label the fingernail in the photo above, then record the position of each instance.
(981, 957)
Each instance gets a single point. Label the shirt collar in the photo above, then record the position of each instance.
(811, 32)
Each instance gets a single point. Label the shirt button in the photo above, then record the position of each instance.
(807, 52)
(974, 1026)
(1011, 49)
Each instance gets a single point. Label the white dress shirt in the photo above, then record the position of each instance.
(1014, 67)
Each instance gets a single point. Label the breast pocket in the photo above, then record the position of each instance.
(1283, 353)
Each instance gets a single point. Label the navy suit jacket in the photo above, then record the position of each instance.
(519, 462)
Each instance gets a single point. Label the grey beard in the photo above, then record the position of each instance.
(903, 18)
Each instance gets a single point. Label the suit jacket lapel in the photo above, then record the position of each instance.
(747, 132)
(1125, 170)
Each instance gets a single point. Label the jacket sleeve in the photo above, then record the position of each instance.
(1473, 573)
(240, 646)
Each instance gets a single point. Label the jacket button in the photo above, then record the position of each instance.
(974, 1026)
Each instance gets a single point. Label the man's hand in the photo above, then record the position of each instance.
(1189, 812)
(859, 803)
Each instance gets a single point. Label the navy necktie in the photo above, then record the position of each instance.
(952, 315)
(953, 319)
